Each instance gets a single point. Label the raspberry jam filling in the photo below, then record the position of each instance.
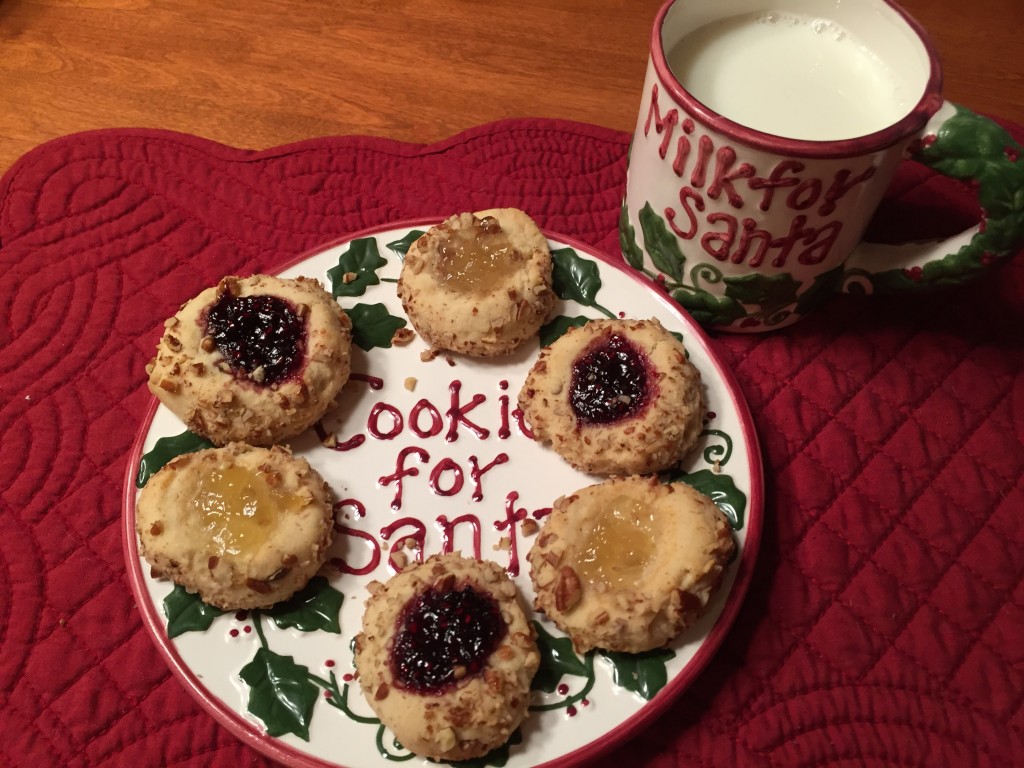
(609, 382)
(261, 337)
(445, 636)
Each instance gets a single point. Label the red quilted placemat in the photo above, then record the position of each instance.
(885, 623)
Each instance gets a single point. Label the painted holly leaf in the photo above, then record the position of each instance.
(557, 659)
(373, 326)
(627, 240)
(707, 308)
(552, 330)
(165, 449)
(185, 612)
(360, 262)
(642, 673)
(401, 247)
(769, 292)
(824, 285)
(496, 757)
(722, 490)
(314, 607)
(661, 244)
(574, 278)
(280, 693)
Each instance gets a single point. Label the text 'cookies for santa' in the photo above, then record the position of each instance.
(628, 564)
(615, 397)
(478, 284)
(254, 360)
(446, 657)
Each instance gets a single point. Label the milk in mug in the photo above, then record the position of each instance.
(790, 75)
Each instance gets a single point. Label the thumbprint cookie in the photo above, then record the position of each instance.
(256, 359)
(241, 526)
(478, 284)
(446, 657)
(615, 397)
(628, 564)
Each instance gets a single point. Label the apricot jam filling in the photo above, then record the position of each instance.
(476, 259)
(609, 381)
(445, 636)
(238, 510)
(621, 545)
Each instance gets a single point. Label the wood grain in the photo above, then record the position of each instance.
(261, 73)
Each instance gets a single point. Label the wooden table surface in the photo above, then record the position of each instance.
(260, 73)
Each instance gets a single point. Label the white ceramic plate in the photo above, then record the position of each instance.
(590, 703)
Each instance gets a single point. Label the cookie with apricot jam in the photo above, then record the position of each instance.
(478, 284)
(628, 564)
(241, 526)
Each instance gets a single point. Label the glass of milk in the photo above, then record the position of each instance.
(767, 135)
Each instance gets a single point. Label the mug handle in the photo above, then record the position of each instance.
(961, 145)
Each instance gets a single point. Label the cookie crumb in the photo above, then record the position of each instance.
(402, 336)
(410, 383)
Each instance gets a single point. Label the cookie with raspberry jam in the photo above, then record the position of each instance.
(478, 284)
(242, 527)
(615, 397)
(446, 657)
(256, 360)
(628, 564)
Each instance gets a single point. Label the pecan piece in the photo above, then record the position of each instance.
(568, 590)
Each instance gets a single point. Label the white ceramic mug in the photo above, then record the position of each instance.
(768, 133)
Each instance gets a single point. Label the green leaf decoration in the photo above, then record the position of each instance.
(314, 607)
(972, 148)
(373, 326)
(557, 659)
(280, 693)
(185, 612)
(721, 489)
(552, 330)
(497, 756)
(165, 449)
(661, 244)
(401, 247)
(362, 259)
(824, 285)
(770, 292)
(627, 240)
(707, 308)
(642, 673)
(574, 278)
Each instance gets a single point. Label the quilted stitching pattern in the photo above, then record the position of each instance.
(885, 621)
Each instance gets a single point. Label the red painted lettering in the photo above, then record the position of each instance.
(477, 472)
(401, 472)
(718, 243)
(842, 184)
(685, 196)
(664, 125)
(436, 422)
(458, 479)
(373, 422)
(724, 177)
(775, 180)
(457, 414)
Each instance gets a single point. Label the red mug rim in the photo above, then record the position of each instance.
(910, 124)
